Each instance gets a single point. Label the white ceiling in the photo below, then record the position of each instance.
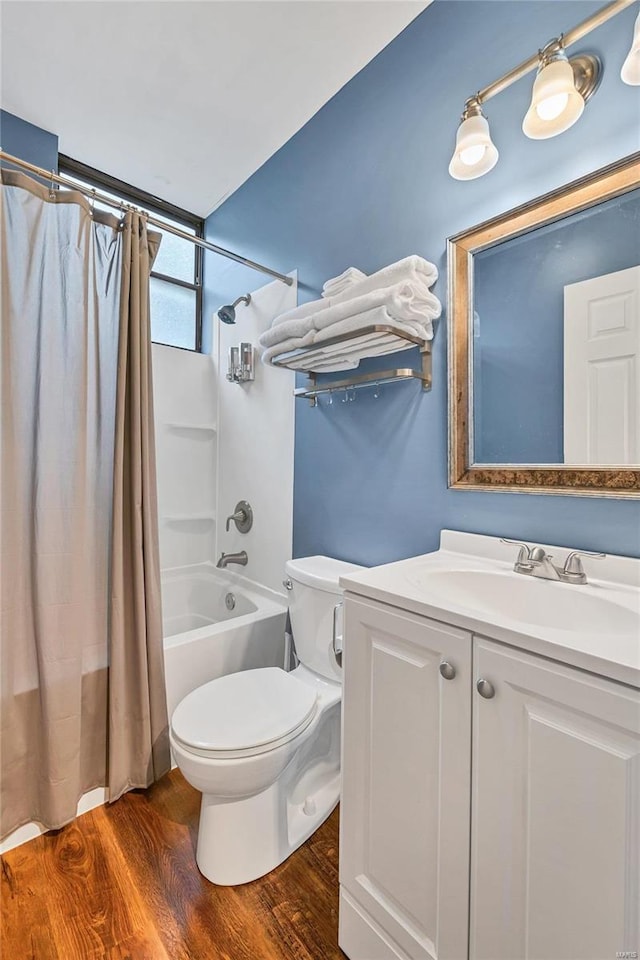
(181, 98)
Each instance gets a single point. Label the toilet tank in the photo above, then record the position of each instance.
(313, 595)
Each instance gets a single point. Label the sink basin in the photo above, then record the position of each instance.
(544, 603)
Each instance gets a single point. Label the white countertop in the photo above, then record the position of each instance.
(609, 653)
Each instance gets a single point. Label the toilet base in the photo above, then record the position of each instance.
(242, 839)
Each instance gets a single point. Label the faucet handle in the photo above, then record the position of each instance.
(573, 568)
(525, 551)
(238, 517)
(242, 517)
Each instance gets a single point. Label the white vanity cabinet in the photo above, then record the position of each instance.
(404, 858)
(502, 826)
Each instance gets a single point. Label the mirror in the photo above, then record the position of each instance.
(544, 333)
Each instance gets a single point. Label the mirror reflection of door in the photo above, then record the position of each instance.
(602, 369)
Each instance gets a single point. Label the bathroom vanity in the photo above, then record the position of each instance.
(491, 759)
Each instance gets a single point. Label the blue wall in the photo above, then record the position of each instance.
(519, 301)
(30, 143)
(365, 182)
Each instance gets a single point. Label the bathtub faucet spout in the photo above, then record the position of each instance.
(227, 558)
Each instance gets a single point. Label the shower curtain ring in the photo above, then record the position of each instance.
(93, 201)
(52, 193)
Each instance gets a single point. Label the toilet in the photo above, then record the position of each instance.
(263, 746)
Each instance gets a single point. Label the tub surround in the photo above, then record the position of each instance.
(186, 422)
(255, 441)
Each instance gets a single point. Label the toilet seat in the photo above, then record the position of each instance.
(244, 714)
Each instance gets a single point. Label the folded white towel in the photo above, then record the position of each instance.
(336, 289)
(304, 310)
(350, 352)
(407, 300)
(410, 269)
(380, 315)
(327, 362)
(347, 278)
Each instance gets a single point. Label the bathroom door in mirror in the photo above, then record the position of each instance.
(544, 316)
(601, 369)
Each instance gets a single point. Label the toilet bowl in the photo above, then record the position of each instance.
(263, 746)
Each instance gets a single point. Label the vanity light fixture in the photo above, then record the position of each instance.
(560, 91)
(630, 72)
(475, 153)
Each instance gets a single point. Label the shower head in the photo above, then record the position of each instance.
(228, 313)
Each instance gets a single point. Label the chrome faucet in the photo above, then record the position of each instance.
(536, 562)
(226, 558)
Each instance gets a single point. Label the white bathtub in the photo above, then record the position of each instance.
(203, 639)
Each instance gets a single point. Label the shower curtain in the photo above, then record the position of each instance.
(82, 696)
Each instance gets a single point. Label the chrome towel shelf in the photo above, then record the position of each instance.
(376, 338)
(314, 390)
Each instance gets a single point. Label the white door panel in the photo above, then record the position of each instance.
(602, 369)
(556, 812)
(406, 780)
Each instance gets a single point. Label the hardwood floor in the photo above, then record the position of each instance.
(121, 883)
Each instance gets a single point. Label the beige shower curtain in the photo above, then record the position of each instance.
(138, 730)
(82, 695)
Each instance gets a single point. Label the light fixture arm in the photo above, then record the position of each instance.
(572, 36)
(472, 108)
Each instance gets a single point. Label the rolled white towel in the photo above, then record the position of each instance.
(301, 312)
(413, 268)
(409, 269)
(422, 327)
(408, 300)
(337, 285)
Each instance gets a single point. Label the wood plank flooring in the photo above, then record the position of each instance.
(121, 883)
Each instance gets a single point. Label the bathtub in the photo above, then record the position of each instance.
(217, 622)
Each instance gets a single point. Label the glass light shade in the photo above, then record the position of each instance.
(630, 72)
(555, 102)
(475, 153)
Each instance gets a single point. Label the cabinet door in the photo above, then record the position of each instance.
(406, 784)
(556, 804)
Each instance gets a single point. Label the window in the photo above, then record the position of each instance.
(176, 278)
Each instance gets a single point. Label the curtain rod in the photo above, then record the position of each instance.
(54, 177)
(572, 36)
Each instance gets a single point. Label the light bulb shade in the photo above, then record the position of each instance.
(630, 72)
(555, 102)
(475, 153)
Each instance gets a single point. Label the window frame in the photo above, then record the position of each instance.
(140, 198)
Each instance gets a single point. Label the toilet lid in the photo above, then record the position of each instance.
(251, 709)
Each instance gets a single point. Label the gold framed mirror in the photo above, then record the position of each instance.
(544, 343)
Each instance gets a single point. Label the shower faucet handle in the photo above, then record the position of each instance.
(242, 517)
